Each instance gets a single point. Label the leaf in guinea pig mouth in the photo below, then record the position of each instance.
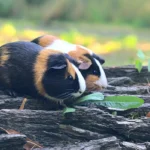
(119, 103)
(90, 98)
(97, 96)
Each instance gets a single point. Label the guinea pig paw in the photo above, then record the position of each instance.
(11, 93)
(61, 103)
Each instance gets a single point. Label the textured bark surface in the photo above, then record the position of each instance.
(90, 127)
(14, 142)
(130, 72)
(109, 143)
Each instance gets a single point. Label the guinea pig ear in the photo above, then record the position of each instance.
(99, 58)
(58, 66)
(84, 63)
(57, 62)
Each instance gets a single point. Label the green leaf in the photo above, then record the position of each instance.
(140, 54)
(114, 113)
(138, 65)
(68, 110)
(149, 65)
(97, 96)
(121, 102)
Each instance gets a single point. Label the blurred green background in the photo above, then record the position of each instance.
(114, 29)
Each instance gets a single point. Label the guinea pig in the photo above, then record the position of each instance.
(90, 64)
(27, 68)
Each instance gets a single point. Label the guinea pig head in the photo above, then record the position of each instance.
(90, 67)
(60, 79)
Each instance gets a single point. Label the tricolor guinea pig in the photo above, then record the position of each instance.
(90, 64)
(27, 68)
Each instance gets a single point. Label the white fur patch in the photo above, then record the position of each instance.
(103, 80)
(81, 80)
(65, 46)
(62, 46)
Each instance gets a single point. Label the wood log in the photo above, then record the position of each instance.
(129, 71)
(83, 125)
(14, 142)
(91, 126)
(105, 144)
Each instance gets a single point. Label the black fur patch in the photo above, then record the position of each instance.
(36, 40)
(54, 80)
(93, 70)
(100, 59)
(19, 67)
(71, 59)
(19, 71)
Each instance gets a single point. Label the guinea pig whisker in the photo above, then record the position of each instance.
(63, 95)
(72, 97)
(67, 91)
(93, 88)
(67, 96)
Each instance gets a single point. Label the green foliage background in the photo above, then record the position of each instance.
(134, 12)
(114, 29)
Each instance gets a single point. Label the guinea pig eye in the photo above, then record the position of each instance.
(95, 72)
(70, 77)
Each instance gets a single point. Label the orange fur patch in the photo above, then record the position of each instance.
(46, 40)
(4, 56)
(40, 67)
(79, 53)
(90, 83)
(70, 70)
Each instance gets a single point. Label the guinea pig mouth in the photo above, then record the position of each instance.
(77, 94)
(93, 87)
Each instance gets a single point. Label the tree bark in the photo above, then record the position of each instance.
(90, 127)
